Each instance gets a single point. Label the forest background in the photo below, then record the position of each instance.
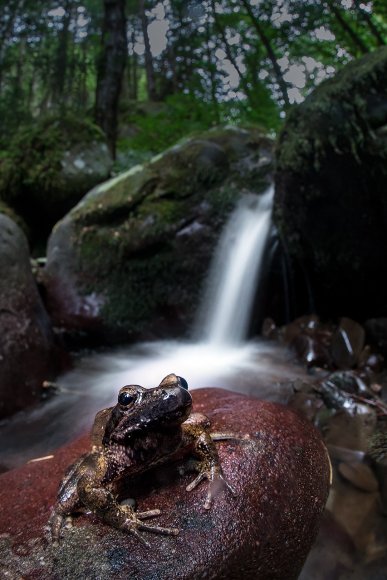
(150, 72)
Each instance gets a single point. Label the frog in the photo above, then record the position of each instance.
(146, 428)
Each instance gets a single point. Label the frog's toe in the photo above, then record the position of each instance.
(159, 530)
(134, 525)
(55, 526)
(217, 483)
(148, 514)
(202, 475)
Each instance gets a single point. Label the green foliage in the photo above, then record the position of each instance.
(32, 161)
(181, 115)
(184, 114)
(224, 62)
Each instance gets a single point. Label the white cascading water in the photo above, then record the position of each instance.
(224, 315)
(219, 357)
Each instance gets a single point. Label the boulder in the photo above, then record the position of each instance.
(26, 342)
(58, 159)
(347, 343)
(280, 472)
(330, 202)
(376, 333)
(129, 260)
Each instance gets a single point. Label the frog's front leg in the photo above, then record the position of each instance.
(207, 462)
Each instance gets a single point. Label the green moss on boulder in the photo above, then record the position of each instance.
(130, 258)
(49, 166)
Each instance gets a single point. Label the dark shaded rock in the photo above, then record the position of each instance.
(330, 203)
(58, 159)
(130, 259)
(333, 554)
(376, 333)
(360, 475)
(351, 428)
(378, 452)
(280, 471)
(347, 343)
(311, 351)
(309, 340)
(374, 570)
(370, 362)
(26, 341)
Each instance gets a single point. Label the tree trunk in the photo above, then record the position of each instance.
(149, 70)
(61, 60)
(231, 57)
(6, 30)
(212, 73)
(111, 69)
(270, 53)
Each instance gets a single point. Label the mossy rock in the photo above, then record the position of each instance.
(129, 260)
(331, 183)
(49, 166)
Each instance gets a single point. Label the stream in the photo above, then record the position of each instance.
(217, 356)
(256, 368)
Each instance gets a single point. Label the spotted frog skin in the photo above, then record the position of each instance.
(147, 427)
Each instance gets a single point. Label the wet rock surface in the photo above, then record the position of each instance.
(27, 353)
(130, 259)
(280, 472)
(348, 405)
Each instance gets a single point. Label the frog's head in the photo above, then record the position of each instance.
(140, 410)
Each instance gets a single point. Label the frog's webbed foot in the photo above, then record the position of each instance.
(208, 466)
(217, 482)
(133, 524)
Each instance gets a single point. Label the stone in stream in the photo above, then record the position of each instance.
(360, 475)
(347, 343)
(27, 352)
(120, 263)
(280, 471)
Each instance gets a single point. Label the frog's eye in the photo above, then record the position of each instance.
(126, 398)
(182, 383)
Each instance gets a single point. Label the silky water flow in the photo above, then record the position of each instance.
(218, 356)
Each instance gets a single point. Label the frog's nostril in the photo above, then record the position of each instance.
(182, 383)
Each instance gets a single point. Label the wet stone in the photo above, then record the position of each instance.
(351, 428)
(347, 343)
(279, 470)
(360, 475)
(334, 552)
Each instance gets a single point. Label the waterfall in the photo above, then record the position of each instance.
(218, 358)
(223, 317)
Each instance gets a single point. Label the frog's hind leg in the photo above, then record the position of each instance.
(67, 502)
(103, 503)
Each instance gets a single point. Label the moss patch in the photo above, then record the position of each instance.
(143, 241)
(335, 116)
